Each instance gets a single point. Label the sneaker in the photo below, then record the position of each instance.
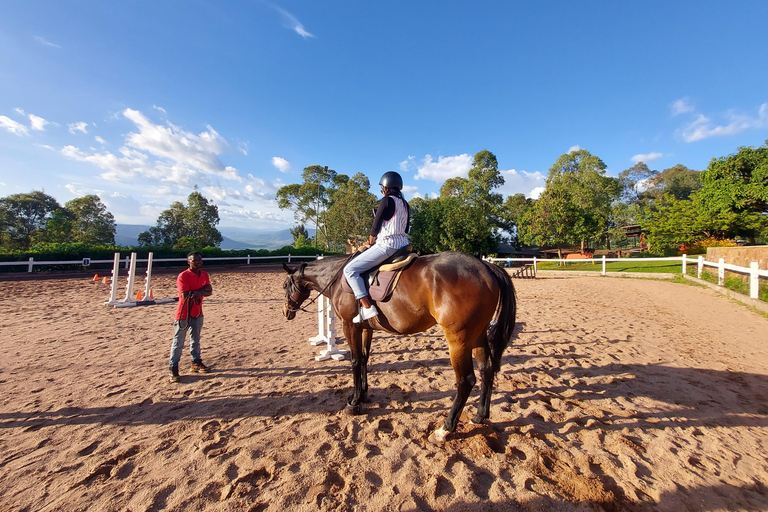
(198, 366)
(365, 314)
(174, 374)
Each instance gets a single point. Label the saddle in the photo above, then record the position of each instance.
(382, 280)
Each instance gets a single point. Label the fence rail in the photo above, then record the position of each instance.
(752, 271)
(86, 262)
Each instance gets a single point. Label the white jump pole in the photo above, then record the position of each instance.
(115, 271)
(129, 300)
(131, 275)
(326, 331)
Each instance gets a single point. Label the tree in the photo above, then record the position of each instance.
(678, 181)
(512, 212)
(634, 181)
(310, 198)
(91, 222)
(575, 206)
(189, 226)
(738, 182)
(467, 215)
(299, 231)
(350, 211)
(24, 217)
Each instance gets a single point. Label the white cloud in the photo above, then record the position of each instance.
(37, 122)
(645, 158)
(445, 167)
(407, 163)
(281, 163)
(46, 43)
(681, 106)
(243, 148)
(536, 193)
(703, 128)
(521, 182)
(184, 149)
(13, 126)
(290, 21)
(100, 140)
(76, 189)
(573, 148)
(78, 127)
(159, 109)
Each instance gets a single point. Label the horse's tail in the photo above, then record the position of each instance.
(500, 330)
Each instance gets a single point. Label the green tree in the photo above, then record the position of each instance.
(575, 206)
(467, 216)
(24, 217)
(58, 228)
(512, 212)
(634, 182)
(678, 181)
(350, 211)
(91, 222)
(738, 182)
(309, 199)
(190, 226)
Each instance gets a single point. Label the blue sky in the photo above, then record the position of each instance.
(140, 101)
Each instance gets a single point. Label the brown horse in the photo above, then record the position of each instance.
(473, 301)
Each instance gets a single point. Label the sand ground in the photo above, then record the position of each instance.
(617, 394)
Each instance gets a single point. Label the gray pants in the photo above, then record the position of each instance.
(194, 326)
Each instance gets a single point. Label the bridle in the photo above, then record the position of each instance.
(292, 287)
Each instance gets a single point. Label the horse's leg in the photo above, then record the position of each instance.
(461, 360)
(366, 346)
(354, 335)
(483, 357)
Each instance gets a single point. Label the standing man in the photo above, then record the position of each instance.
(193, 285)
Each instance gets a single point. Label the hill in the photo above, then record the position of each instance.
(233, 238)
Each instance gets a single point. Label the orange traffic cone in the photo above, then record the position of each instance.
(151, 295)
(105, 281)
(95, 277)
(138, 295)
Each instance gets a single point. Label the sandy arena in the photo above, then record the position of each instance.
(617, 394)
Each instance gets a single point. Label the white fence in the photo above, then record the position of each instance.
(86, 262)
(752, 271)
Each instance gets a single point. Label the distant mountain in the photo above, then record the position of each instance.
(234, 238)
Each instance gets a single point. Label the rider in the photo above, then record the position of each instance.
(388, 235)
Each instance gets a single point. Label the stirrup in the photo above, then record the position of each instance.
(365, 314)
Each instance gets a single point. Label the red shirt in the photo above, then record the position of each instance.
(188, 281)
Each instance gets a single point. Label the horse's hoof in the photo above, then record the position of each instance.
(353, 410)
(438, 436)
(477, 420)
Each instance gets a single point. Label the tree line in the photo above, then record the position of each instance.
(580, 207)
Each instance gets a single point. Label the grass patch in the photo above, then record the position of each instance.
(631, 265)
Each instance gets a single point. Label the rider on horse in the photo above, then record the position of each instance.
(388, 235)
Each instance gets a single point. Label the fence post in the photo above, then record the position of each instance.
(31, 264)
(603, 264)
(248, 260)
(289, 258)
(534, 265)
(700, 268)
(754, 281)
(127, 261)
(685, 264)
(721, 271)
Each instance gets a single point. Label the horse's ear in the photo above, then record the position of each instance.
(288, 269)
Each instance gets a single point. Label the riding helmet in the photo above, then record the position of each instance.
(391, 179)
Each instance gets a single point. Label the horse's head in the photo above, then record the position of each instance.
(295, 291)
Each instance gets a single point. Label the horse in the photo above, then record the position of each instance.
(473, 301)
